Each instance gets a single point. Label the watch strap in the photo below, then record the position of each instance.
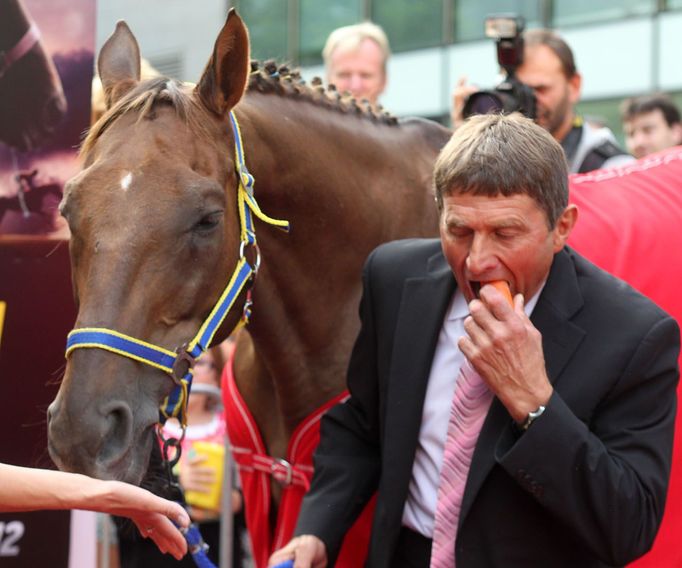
(532, 417)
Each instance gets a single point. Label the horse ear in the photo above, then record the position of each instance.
(224, 79)
(118, 63)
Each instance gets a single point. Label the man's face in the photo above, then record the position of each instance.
(500, 238)
(541, 70)
(648, 132)
(359, 71)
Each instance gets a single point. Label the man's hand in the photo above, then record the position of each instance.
(506, 350)
(459, 96)
(307, 551)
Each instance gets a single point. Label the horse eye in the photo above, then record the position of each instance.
(209, 222)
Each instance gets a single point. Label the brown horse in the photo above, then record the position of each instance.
(155, 237)
(32, 102)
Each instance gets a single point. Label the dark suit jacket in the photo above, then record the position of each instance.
(584, 486)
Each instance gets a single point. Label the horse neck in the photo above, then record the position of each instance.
(298, 292)
(328, 174)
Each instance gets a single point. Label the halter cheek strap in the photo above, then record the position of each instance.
(178, 364)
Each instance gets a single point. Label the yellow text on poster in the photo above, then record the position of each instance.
(2, 318)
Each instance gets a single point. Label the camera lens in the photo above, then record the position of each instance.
(483, 102)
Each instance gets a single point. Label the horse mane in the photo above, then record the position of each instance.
(264, 78)
(268, 77)
(144, 98)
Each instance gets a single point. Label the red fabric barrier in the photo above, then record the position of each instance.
(630, 224)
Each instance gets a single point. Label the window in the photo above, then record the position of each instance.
(409, 24)
(470, 15)
(569, 12)
(267, 23)
(318, 20)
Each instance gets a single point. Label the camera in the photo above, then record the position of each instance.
(511, 95)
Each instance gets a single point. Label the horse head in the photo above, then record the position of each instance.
(154, 239)
(32, 102)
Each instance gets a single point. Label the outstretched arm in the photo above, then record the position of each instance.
(27, 489)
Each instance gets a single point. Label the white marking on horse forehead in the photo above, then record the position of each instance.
(126, 180)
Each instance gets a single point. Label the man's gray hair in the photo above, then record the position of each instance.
(496, 154)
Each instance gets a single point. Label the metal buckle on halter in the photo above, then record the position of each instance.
(286, 481)
(242, 254)
(182, 364)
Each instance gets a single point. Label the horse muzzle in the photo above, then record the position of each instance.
(99, 442)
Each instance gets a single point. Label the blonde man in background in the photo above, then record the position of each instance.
(355, 60)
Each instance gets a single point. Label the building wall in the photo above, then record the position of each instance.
(176, 36)
(620, 57)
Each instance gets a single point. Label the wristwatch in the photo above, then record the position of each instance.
(532, 416)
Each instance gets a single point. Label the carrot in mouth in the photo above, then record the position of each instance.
(503, 288)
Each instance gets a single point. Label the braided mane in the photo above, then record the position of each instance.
(264, 78)
(268, 77)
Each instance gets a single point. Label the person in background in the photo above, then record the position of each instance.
(355, 59)
(549, 68)
(27, 489)
(651, 123)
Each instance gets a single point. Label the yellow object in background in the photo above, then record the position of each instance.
(215, 456)
(2, 318)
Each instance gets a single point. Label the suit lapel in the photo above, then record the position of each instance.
(423, 305)
(559, 300)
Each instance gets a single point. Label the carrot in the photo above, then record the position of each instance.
(503, 288)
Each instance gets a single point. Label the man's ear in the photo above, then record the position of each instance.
(118, 64)
(564, 226)
(575, 85)
(677, 132)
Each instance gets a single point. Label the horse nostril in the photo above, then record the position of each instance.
(117, 433)
(54, 110)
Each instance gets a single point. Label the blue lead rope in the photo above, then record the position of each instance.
(197, 547)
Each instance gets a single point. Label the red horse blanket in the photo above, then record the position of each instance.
(257, 468)
(630, 224)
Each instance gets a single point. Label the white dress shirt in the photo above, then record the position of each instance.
(420, 507)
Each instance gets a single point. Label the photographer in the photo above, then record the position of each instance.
(549, 69)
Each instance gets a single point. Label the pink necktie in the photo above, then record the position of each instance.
(469, 408)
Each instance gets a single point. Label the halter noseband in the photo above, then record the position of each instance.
(21, 48)
(178, 364)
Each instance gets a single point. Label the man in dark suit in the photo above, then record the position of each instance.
(571, 464)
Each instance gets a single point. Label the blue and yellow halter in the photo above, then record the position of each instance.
(178, 364)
